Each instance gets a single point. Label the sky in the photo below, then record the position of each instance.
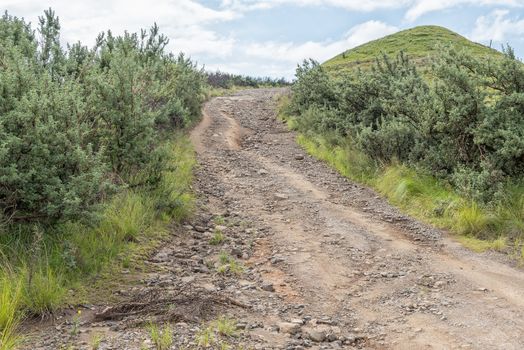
(270, 37)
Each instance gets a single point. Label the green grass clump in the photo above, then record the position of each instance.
(226, 326)
(224, 258)
(227, 264)
(479, 246)
(162, 338)
(205, 337)
(282, 114)
(172, 196)
(43, 291)
(218, 238)
(471, 220)
(419, 194)
(96, 341)
(126, 217)
(216, 331)
(341, 156)
(219, 220)
(510, 211)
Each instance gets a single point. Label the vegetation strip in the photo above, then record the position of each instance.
(445, 146)
(93, 162)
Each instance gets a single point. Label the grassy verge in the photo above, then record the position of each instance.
(498, 227)
(218, 92)
(39, 266)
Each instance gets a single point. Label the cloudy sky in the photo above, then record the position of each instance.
(269, 37)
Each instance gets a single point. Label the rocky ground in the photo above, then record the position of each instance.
(284, 253)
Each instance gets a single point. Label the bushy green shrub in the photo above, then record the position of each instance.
(48, 169)
(464, 122)
(312, 88)
(75, 121)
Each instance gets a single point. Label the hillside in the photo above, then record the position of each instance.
(419, 43)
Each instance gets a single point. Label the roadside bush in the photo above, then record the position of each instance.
(446, 146)
(47, 169)
(80, 123)
(312, 88)
(125, 127)
(464, 123)
(321, 119)
(391, 140)
(91, 159)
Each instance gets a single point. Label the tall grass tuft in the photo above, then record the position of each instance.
(340, 155)
(10, 303)
(43, 290)
(479, 245)
(162, 338)
(172, 195)
(126, 217)
(511, 211)
(471, 220)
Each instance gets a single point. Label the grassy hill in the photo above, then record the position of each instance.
(420, 43)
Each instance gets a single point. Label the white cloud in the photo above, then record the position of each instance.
(321, 51)
(368, 31)
(422, 7)
(353, 5)
(184, 21)
(497, 26)
(195, 40)
(415, 8)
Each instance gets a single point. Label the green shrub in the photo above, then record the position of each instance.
(311, 88)
(47, 168)
(465, 125)
(75, 121)
(448, 148)
(221, 80)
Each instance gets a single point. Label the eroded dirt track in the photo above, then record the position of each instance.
(357, 268)
(327, 264)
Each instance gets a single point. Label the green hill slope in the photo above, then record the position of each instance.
(420, 43)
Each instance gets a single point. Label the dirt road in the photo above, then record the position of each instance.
(359, 268)
(300, 258)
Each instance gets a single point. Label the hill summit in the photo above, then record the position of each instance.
(420, 43)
